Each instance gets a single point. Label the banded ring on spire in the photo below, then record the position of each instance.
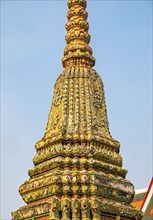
(77, 51)
(77, 21)
(78, 2)
(77, 10)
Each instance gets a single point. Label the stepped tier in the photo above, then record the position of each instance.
(78, 112)
(77, 207)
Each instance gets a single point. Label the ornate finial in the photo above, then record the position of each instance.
(77, 51)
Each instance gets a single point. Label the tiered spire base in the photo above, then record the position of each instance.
(77, 207)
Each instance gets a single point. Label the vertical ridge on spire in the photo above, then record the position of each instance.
(77, 51)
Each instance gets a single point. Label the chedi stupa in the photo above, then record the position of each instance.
(77, 171)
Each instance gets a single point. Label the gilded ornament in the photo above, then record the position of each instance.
(114, 193)
(75, 189)
(85, 209)
(75, 207)
(65, 207)
(95, 209)
(54, 208)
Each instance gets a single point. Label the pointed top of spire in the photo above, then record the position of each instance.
(77, 51)
(78, 2)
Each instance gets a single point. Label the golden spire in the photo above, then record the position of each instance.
(78, 111)
(77, 171)
(77, 51)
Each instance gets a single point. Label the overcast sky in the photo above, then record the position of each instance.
(32, 37)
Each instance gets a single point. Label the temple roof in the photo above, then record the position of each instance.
(143, 200)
